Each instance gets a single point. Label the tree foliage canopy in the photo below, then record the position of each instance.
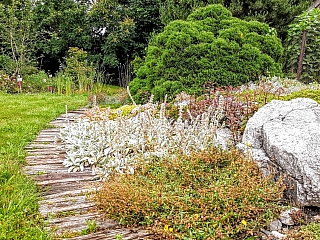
(110, 31)
(17, 35)
(277, 13)
(310, 23)
(210, 45)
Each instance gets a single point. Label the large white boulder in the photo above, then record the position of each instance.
(285, 135)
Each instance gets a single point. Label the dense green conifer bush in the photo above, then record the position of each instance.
(210, 45)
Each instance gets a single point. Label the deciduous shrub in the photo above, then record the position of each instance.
(78, 68)
(6, 63)
(210, 45)
(7, 84)
(309, 22)
(37, 82)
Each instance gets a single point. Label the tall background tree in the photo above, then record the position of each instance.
(60, 25)
(146, 16)
(307, 24)
(277, 13)
(18, 36)
(112, 32)
(121, 29)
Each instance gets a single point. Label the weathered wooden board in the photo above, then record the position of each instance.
(37, 152)
(126, 234)
(49, 131)
(41, 146)
(61, 187)
(39, 161)
(70, 193)
(58, 176)
(45, 139)
(79, 222)
(77, 179)
(47, 209)
(40, 169)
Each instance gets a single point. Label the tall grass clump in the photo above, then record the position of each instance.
(108, 95)
(79, 70)
(21, 119)
(213, 194)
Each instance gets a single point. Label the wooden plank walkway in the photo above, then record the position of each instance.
(64, 203)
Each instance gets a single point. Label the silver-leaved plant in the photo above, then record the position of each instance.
(121, 144)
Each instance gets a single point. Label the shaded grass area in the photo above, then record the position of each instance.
(213, 195)
(21, 119)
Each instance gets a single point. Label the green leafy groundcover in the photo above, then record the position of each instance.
(210, 45)
(313, 94)
(214, 195)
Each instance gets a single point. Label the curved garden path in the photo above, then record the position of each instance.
(64, 203)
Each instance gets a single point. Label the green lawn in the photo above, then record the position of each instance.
(21, 119)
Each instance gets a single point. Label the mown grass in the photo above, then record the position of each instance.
(21, 119)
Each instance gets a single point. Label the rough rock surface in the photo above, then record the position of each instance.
(285, 135)
(276, 225)
(278, 235)
(286, 218)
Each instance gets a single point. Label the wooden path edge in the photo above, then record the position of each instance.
(64, 204)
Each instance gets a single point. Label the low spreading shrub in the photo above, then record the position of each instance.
(312, 230)
(239, 105)
(37, 82)
(313, 94)
(279, 86)
(97, 99)
(179, 185)
(108, 96)
(108, 140)
(213, 194)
